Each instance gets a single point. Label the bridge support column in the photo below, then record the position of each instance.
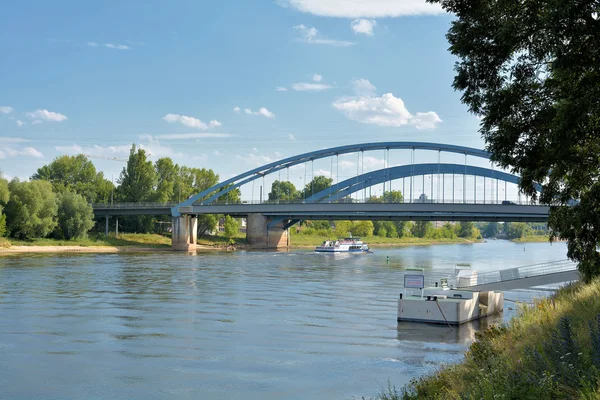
(262, 236)
(185, 231)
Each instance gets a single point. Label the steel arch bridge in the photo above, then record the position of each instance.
(359, 182)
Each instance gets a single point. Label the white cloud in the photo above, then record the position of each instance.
(9, 139)
(280, 89)
(310, 87)
(46, 115)
(322, 172)
(37, 121)
(237, 109)
(190, 122)
(92, 44)
(311, 35)
(117, 46)
(217, 153)
(386, 110)
(364, 8)
(254, 149)
(184, 136)
(291, 137)
(362, 87)
(258, 159)
(6, 152)
(121, 151)
(364, 26)
(317, 77)
(6, 109)
(19, 123)
(107, 151)
(262, 112)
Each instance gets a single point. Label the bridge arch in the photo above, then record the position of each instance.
(355, 184)
(267, 169)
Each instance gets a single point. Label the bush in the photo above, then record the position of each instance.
(31, 210)
(75, 216)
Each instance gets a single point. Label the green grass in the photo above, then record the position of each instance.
(533, 239)
(222, 241)
(97, 239)
(300, 240)
(551, 350)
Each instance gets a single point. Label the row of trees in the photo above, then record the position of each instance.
(33, 209)
(57, 200)
(390, 229)
(512, 230)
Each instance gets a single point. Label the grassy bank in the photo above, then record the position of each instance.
(222, 241)
(299, 240)
(97, 239)
(549, 351)
(533, 239)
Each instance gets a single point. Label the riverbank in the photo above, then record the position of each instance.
(125, 243)
(550, 350)
(306, 241)
(533, 239)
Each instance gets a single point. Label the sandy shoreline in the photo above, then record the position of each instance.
(78, 249)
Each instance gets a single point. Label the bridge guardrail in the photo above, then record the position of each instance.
(133, 205)
(449, 201)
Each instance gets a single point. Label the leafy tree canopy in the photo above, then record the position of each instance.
(531, 70)
(319, 183)
(31, 210)
(283, 191)
(75, 216)
(78, 174)
(138, 178)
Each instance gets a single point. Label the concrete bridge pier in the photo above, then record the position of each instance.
(185, 231)
(266, 233)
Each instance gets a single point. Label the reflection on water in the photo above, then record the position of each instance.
(228, 325)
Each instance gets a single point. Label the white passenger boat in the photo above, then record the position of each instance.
(347, 245)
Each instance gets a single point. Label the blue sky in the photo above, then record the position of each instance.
(226, 84)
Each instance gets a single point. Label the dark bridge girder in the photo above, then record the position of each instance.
(257, 173)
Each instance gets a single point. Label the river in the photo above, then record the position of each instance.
(237, 325)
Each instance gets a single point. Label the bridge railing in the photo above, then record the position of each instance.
(354, 201)
(134, 205)
(528, 271)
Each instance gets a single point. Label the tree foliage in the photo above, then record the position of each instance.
(421, 228)
(77, 174)
(283, 191)
(75, 216)
(138, 178)
(531, 69)
(231, 226)
(318, 184)
(393, 196)
(31, 210)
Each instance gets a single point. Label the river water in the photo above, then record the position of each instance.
(239, 325)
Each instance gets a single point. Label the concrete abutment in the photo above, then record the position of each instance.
(185, 232)
(266, 233)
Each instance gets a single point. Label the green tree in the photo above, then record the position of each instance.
(207, 223)
(136, 184)
(491, 230)
(517, 230)
(421, 228)
(231, 226)
(342, 228)
(75, 216)
(138, 178)
(362, 228)
(31, 210)
(4, 197)
(530, 69)
(385, 229)
(318, 184)
(465, 229)
(283, 191)
(166, 178)
(77, 174)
